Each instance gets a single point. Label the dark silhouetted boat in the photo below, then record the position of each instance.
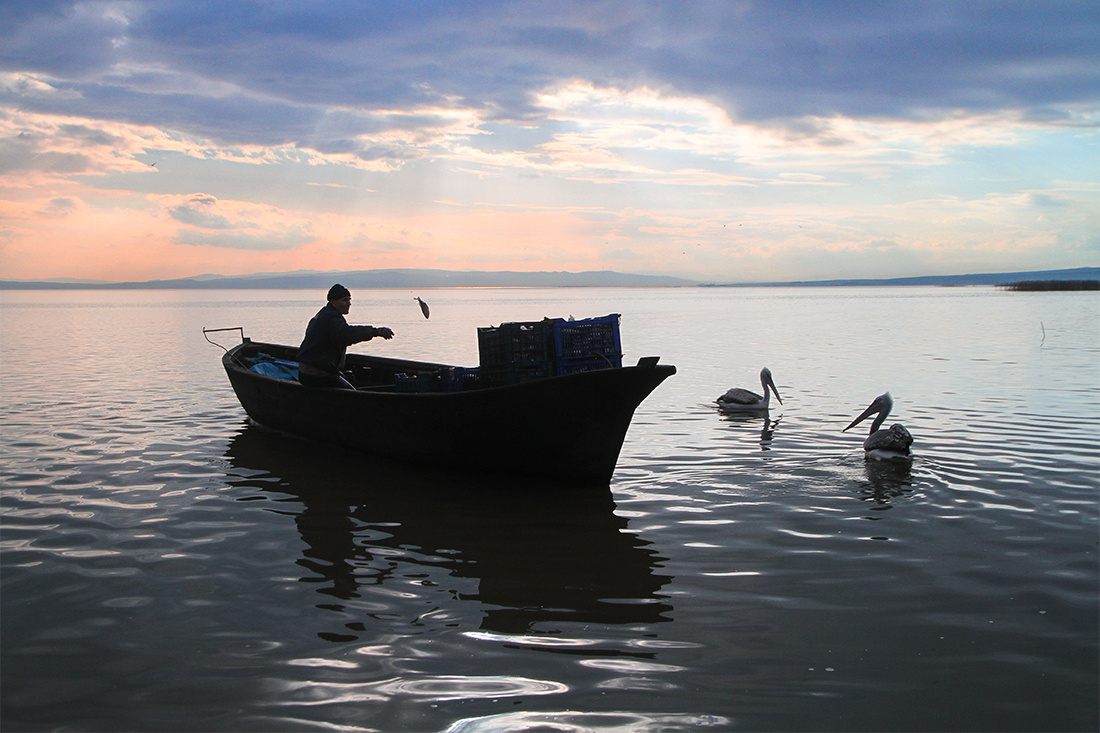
(569, 426)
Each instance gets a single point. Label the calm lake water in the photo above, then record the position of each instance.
(169, 567)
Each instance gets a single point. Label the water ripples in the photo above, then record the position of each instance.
(167, 565)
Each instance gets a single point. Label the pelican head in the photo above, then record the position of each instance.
(881, 405)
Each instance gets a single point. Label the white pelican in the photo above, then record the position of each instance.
(888, 444)
(738, 399)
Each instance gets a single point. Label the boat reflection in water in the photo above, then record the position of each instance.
(527, 551)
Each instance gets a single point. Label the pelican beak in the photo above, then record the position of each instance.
(774, 390)
(874, 408)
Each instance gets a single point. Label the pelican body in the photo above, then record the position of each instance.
(891, 444)
(742, 400)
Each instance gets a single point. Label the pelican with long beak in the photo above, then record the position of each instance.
(742, 400)
(890, 444)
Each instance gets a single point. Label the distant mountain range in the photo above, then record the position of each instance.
(998, 278)
(422, 278)
(368, 279)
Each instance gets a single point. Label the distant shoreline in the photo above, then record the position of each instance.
(1037, 286)
(423, 278)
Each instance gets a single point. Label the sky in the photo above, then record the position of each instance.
(733, 141)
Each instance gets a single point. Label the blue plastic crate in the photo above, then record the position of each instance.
(588, 338)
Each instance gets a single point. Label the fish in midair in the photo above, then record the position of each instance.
(423, 307)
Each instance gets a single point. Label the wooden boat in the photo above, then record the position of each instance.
(570, 426)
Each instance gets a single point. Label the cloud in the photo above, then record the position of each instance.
(1042, 200)
(392, 152)
(88, 135)
(711, 134)
(59, 208)
(201, 211)
(17, 153)
(61, 147)
(884, 245)
(63, 39)
(234, 225)
(266, 74)
(624, 255)
(249, 241)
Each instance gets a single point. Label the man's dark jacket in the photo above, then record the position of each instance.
(327, 338)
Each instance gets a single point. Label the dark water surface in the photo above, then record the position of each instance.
(167, 566)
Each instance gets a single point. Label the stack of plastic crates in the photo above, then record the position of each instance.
(521, 352)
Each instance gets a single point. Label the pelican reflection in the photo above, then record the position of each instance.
(887, 481)
(762, 419)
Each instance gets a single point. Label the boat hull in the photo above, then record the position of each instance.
(571, 426)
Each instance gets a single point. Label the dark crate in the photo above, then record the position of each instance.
(514, 344)
(456, 379)
(588, 338)
(514, 352)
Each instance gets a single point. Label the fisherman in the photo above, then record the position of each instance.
(328, 335)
